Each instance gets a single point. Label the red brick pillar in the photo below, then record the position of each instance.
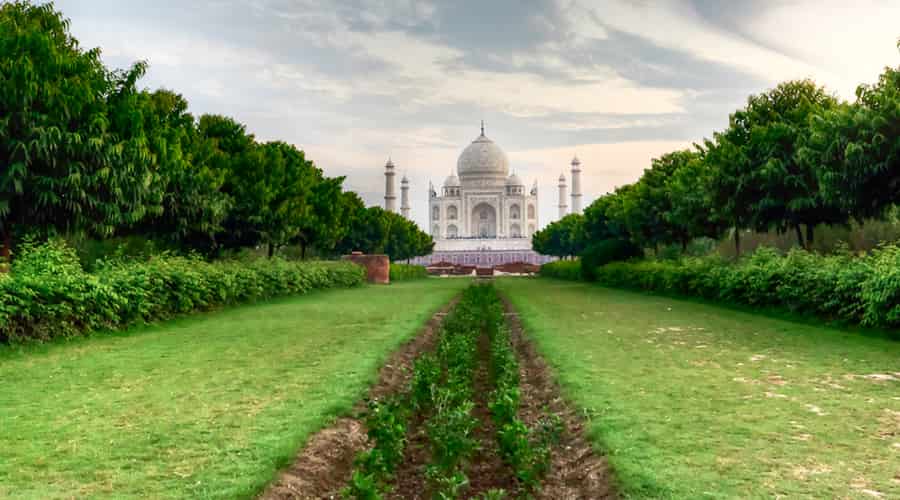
(378, 267)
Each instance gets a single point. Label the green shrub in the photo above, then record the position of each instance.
(404, 272)
(861, 289)
(562, 269)
(604, 252)
(48, 294)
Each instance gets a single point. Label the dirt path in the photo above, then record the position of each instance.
(324, 465)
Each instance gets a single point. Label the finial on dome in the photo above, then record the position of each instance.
(482, 127)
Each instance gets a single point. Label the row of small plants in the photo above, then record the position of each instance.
(387, 423)
(405, 272)
(855, 288)
(450, 426)
(48, 294)
(526, 450)
(440, 391)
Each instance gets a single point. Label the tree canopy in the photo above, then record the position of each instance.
(83, 150)
(793, 158)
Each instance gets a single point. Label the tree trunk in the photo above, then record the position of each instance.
(737, 242)
(5, 250)
(7, 246)
(302, 250)
(799, 236)
(271, 250)
(810, 229)
(684, 244)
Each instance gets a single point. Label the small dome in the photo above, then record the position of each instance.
(389, 164)
(482, 158)
(562, 178)
(404, 180)
(513, 180)
(575, 161)
(451, 181)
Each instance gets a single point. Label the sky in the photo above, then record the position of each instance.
(353, 82)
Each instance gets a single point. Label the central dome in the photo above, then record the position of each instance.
(482, 158)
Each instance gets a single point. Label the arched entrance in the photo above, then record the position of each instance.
(484, 221)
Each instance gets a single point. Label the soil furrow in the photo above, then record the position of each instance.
(410, 479)
(487, 471)
(576, 470)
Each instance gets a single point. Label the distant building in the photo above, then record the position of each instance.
(483, 215)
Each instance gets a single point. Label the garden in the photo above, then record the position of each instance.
(176, 321)
(472, 414)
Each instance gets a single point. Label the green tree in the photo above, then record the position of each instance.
(194, 205)
(65, 166)
(327, 220)
(780, 121)
(374, 230)
(758, 179)
(404, 239)
(856, 149)
(358, 225)
(562, 238)
(647, 206)
(273, 186)
(223, 147)
(691, 213)
(605, 217)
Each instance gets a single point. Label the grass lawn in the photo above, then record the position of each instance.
(205, 406)
(694, 401)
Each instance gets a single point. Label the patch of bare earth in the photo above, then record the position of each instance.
(576, 470)
(325, 463)
(487, 471)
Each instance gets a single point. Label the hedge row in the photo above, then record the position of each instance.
(404, 272)
(861, 289)
(48, 294)
(562, 269)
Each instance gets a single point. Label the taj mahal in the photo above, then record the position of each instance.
(483, 215)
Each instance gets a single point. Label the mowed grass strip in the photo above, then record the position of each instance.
(697, 401)
(205, 406)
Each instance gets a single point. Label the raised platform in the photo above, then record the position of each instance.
(484, 258)
(482, 244)
(483, 252)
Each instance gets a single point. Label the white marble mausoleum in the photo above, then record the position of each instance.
(483, 214)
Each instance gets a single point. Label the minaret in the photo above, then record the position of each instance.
(562, 196)
(390, 199)
(576, 186)
(404, 197)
